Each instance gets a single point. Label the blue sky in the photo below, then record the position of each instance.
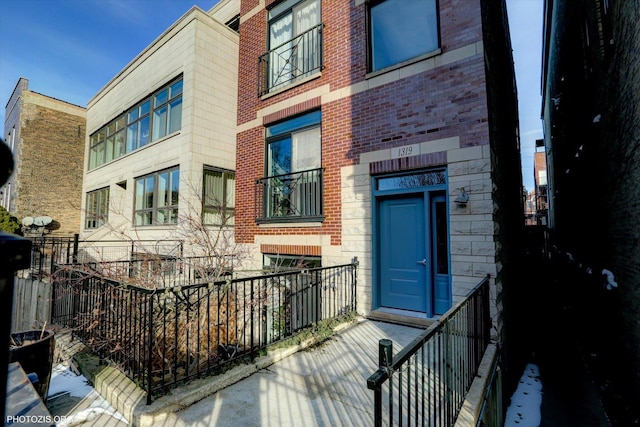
(69, 49)
(525, 22)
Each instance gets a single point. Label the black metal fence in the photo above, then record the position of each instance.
(153, 271)
(48, 251)
(427, 381)
(163, 337)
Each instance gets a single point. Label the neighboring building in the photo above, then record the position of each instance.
(591, 95)
(530, 207)
(161, 134)
(46, 136)
(540, 187)
(360, 123)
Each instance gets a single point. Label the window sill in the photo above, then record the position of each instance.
(404, 63)
(289, 224)
(154, 227)
(292, 85)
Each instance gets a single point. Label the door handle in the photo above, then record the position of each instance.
(423, 262)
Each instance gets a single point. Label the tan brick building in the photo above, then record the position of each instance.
(46, 136)
(359, 126)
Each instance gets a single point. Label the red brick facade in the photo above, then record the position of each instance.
(445, 101)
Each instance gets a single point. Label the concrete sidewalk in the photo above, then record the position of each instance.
(315, 386)
(320, 386)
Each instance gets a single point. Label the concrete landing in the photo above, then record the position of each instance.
(310, 385)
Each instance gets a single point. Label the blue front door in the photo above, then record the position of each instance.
(403, 253)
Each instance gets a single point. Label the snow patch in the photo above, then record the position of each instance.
(64, 380)
(524, 410)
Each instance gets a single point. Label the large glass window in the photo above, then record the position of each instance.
(97, 208)
(156, 198)
(400, 30)
(218, 197)
(294, 145)
(149, 120)
(293, 186)
(295, 43)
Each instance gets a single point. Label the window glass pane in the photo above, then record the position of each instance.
(109, 150)
(111, 128)
(159, 123)
(176, 89)
(175, 187)
(161, 98)
(119, 144)
(442, 250)
(100, 154)
(230, 190)
(132, 137)
(175, 115)
(139, 193)
(148, 195)
(120, 123)
(133, 115)
(401, 30)
(213, 185)
(144, 132)
(305, 150)
(280, 35)
(163, 189)
(143, 218)
(280, 157)
(93, 155)
(412, 181)
(162, 216)
(307, 15)
(145, 107)
(296, 123)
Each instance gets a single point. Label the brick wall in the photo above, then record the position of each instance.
(620, 172)
(439, 103)
(50, 163)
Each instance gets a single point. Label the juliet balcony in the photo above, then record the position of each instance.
(291, 61)
(290, 197)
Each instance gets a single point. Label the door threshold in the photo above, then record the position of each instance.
(403, 317)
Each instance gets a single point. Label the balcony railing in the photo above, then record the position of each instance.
(290, 197)
(291, 61)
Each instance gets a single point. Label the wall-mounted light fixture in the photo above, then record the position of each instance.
(462, 199)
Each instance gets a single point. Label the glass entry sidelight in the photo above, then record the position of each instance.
(412, 243)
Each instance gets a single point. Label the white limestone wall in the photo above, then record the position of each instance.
(204, 52)
(472, 243)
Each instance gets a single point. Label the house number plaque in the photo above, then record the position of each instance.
(405, 151)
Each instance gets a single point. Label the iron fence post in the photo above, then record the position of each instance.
(385, 356)
(150, 349)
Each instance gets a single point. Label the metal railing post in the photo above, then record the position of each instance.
(150, 350)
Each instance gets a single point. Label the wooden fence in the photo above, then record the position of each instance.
(31, 304)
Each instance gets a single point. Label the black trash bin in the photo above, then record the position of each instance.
(34, 351)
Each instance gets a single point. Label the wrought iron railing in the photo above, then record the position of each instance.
(48, 251)
(164, 337)
(427, 381)
(290, 197)
(291, 61)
